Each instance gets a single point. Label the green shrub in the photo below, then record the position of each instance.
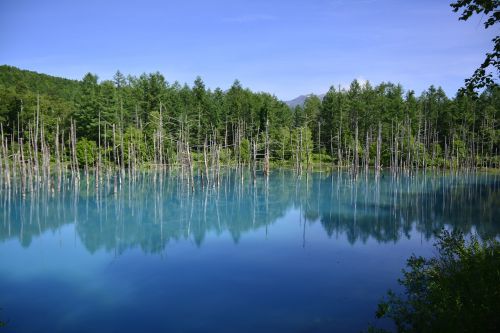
(245, 150)
(457, 291)
(2, 323)
(86, 151)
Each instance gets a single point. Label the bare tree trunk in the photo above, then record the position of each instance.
(356, 154)
(339, 147)
(319, 144)
(266, 156)
(367, 151)
(206, 162)
(379, 149)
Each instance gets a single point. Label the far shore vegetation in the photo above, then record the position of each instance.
(53, 125)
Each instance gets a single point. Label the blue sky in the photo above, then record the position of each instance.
(287, 48)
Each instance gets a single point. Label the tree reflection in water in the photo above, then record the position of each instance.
(152, 209)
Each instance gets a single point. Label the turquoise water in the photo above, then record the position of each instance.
(287, 254)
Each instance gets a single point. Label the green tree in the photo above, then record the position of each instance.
(200, 111)
(488, 73)
(88, 107)
(457, 291)
(312, 109)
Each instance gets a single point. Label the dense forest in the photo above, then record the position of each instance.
(135, 122)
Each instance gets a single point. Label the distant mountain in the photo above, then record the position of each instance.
(301, 99)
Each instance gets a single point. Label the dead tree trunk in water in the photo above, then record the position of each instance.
(206, 162)
(379, 149)
(74, 163)
(266, 156)
(356, 154)
(367, 151)
(254, 160)
(339, 148)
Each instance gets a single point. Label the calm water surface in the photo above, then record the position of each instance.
(313, 254)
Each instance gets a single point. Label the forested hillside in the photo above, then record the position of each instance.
(146, 120)
(24, 81)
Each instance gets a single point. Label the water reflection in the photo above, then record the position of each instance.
(152, 209)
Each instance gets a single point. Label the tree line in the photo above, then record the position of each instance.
(132, 121)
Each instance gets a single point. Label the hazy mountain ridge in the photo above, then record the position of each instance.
(300, 100)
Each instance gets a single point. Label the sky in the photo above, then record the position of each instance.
(287, 48)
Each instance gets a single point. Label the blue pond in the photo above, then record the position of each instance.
(286, 254)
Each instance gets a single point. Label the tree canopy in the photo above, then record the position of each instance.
(488, 73)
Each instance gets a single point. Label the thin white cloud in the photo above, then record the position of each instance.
(250, 18)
